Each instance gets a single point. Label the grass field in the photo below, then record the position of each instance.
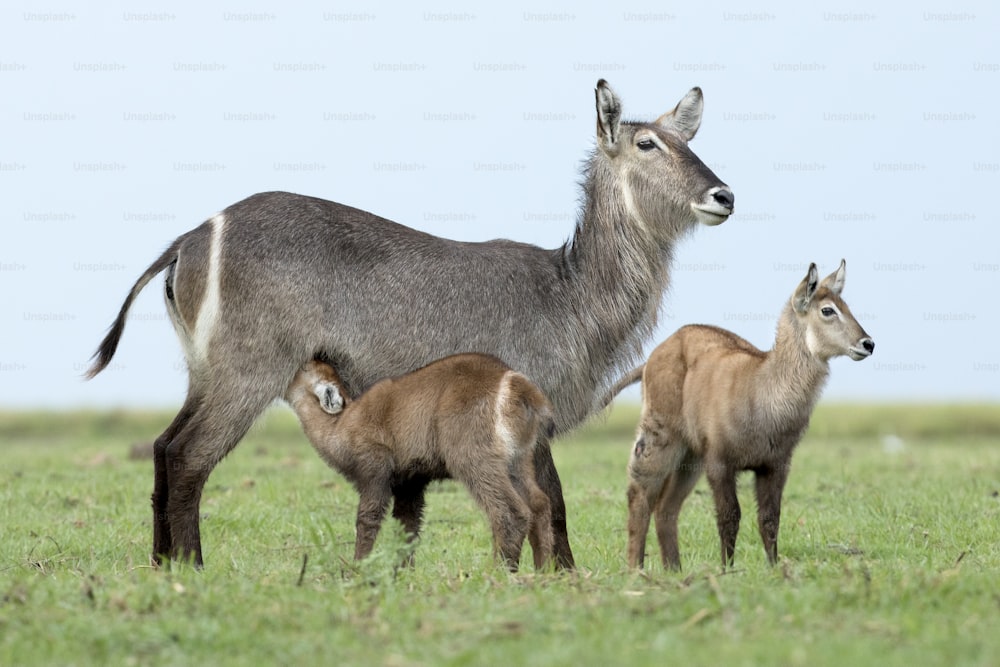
(890, 555)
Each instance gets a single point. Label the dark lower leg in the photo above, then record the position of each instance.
(668, 509)
(372, 507)
(548, 481)
(408, 509)
(186, 484)
(727, 514)
(216, 426)
(770, 484)
(162, 542)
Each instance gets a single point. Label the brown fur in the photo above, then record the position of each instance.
(714, 403)
(467, 416)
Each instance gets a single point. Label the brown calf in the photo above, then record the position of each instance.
(467, 416)
(714, 403)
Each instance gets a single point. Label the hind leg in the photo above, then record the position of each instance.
(216, 426)
(540, 529)
(649, 470)
(547, 478)
(162, 542)
(488, 480)
(540, 532)
(668, 508)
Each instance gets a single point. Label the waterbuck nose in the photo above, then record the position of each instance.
(724, 197)
(868, 344)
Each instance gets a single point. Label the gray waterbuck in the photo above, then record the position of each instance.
(257, 290)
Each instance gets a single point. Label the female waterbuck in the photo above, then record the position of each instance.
(713, 402)
(467, 416)
(253, 294)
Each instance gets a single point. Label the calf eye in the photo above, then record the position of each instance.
(646, 145)
(828, 312)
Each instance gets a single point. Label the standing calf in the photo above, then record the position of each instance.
(467, 416)
(714, 402)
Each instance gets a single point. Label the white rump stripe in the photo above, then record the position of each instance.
(504, 435)
(211, 303)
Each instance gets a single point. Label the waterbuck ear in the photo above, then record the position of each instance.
(835, 281)
(805, 291)
(685, 118)
(609, 116)
(329, 397)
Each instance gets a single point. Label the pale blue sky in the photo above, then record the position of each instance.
(869, 133)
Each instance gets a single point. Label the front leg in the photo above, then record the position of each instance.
(770, 484)
(408, 509)
(375, 497)
(722, 479)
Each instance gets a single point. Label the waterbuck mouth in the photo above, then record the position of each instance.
(710, 215)
(857, 354)
(715, 207)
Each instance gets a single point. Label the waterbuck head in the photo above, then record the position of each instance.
(660, 178)
(830, 328)
(322, 381)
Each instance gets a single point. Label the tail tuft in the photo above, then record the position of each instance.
(106, 350)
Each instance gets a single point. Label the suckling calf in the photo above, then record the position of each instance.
(467, 416)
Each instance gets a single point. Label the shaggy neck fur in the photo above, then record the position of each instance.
(619, 272)
(793, 376)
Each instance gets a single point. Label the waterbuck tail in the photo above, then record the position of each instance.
(106, 350)
(630, 378)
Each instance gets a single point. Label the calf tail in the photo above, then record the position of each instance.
(534, 400)
(106, 350)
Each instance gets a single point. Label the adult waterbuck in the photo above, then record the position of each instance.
(713, 402)
(256, 290)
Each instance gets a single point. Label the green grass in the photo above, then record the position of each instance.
(890, 555)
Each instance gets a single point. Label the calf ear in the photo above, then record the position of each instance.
(329, 397)
(835, 281)
(805, 291)
(685, 118)
(609, 117)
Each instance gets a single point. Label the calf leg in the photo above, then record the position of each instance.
(770, 484)
(508, 513)
(722, 479)
(408, 508)
(668, 508)
(649, 468)
(372, 506)
(540, 528)
(638, 524)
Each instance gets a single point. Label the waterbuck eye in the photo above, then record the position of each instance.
(828, 311)
(646, 145)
